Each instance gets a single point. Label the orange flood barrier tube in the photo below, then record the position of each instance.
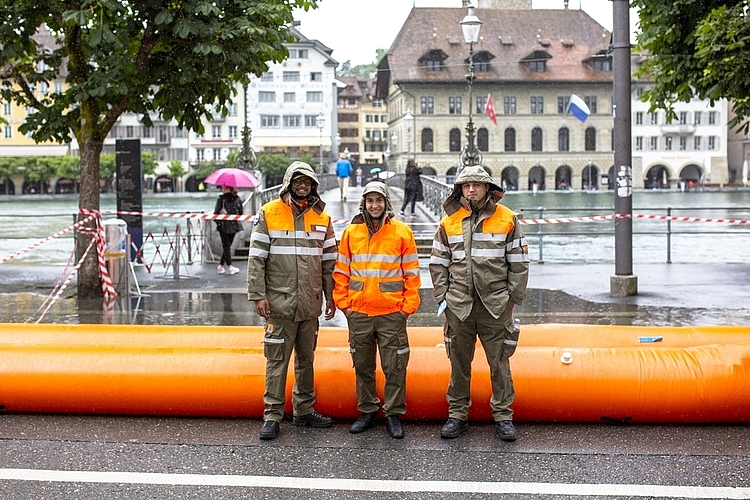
(694, 374)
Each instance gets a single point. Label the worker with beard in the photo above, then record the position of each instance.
(377, 287)
(292, 254)
(479, 268)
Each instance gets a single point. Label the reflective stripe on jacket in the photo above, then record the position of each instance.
(482, 254)
(378, 273)
(292, 254)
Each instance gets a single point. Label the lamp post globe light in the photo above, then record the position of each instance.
(470, 26)
(320, 121)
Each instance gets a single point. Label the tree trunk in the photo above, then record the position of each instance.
(89, 284)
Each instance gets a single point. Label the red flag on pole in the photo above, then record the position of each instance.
(489, 109)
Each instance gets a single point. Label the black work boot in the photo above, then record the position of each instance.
(393, 425)
(313, 419)
(453, 427)
(366, 421)
(269, 430)
(505, 430)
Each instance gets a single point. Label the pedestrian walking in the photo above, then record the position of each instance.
(377, 288)
(230, 203)
(412, 187)
(479, 268)
(292, 254)
(343, 172)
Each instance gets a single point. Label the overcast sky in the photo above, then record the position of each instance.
(354, 29)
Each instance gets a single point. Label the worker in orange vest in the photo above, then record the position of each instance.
(377, 287)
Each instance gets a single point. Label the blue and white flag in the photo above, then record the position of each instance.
(577, 107)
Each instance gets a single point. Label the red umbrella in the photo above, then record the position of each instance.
(233, 177)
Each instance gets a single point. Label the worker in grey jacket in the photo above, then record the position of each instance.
(479, 268)
(292, 254)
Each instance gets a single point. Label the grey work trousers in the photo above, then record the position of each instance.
(499, 343)
(281, 337)
(386, 334)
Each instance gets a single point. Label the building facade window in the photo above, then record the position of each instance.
(269, 121)
(683, 117)
(683, 143)
(454, 140)
(509, 105)
(712, 117)
(454, 105)
(292, 121)
(215, 132)
(481, 104)
(712, 143)
(290, 96)
(427, 105)
(562, 104)
(639, 143)
(233, 131)
(233, 109)
(266, 96)
(290, 76)
(697, 118)
(483, 140)
(590, 101)
(537, 66)
(536, 139)
(427, 140)
(510, 139)
(697, 143)
(639, 118)
(590, 139)
(267, 76)
(668, 140)
(537, 105)
(653, 143)
(8, 132)
(563, 139)
(654, 118)
(433, 65)
(316, 76)
(315, 97)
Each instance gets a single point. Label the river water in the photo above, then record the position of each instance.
(29, 218)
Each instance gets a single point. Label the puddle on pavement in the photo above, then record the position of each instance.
(233, 309)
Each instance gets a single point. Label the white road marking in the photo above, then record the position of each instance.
(313, 483)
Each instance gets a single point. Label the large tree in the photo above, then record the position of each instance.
(178, 59)
(696, 48)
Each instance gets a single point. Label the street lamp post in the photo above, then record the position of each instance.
(320, 121)
(470, 26)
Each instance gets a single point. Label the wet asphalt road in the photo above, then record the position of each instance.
(625, 456)
(606, 460)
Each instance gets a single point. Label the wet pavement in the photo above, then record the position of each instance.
(156, 457)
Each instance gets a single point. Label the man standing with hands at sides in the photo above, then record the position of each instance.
(479, 268)
(343, 172)
(292, 254)
(377, 288)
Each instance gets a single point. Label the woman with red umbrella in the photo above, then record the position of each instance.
(229, 202)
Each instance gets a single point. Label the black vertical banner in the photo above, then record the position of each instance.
(129, 188)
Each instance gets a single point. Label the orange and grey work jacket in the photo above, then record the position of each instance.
(292, 254)
(377, 273)
(479, 254)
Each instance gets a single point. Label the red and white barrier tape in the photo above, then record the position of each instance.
(101, 246)
(48, 238)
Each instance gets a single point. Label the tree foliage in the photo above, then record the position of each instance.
(696, 48)
(176, 59)
(273, 167)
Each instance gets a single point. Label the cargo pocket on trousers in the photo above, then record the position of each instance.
(273, 342)
(447, 339)
(510, 342)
